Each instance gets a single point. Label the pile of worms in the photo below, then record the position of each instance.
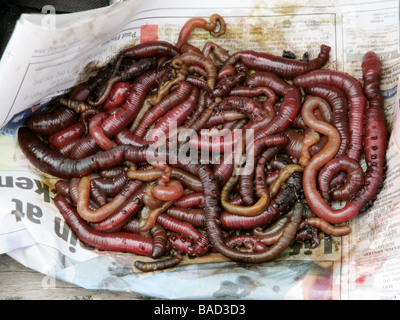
(120, 188)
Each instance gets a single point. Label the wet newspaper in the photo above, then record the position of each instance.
(49, 54)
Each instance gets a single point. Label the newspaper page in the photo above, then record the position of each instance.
(49, 54)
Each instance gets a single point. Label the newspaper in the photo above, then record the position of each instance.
(49, 54)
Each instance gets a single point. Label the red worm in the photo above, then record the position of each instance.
(375, 149)
(251, 243)
(125, 114)
(170, 191)
(289, 107)
(221, 144)
(102, 212)
(178, 226)
(225, 84)
(118, 94)
(84, 147)
(170, 101)
(102, 188)
(48, 160)
(96, 131)
(278, 207)
(196, 59)
(357, 102)
(354, 180)
(211, 49)
(191, 200)
(216, 26)
(50, 123)
(283, 67)
(67, 135)
(149, 49)
(204, 100)
(340, 108)
(214, 232)
(336, 231)
(295, 142)
(249, 106)
(118, 241)
(111, 94)
(158, 233)
(192, 216)
(129, 138)
(176, 115)
(126, 211)
(220, 117)
(246, 179)
(253, 92)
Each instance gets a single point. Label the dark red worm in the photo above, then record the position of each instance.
(118, 94)
(52, 162)
(376, 135)
(375, 144)
(50, 123)
(295, 142)
(126, 211)
(102, 188)
(340, 108)
(177, 115)
(246, 179)
(192, 200)
(114, 92)
(97, 133)
(119, 120)
(254, 92)
(198, 82)
(186, 245)
(215, 51)
(148, 50)
(248, 106)
(175, 98)
(67, 135)
(224, 85)
(192, 216)
(200, 242)
(354, 178)
(158, 233)
(204, 100)
(289, 108)
(84, 147)
(178, 226)
(127, 137)
(357, 102)
(196, 59)
(279, 206)
(118, 241)
(251, 108)
(249, 242)
(125, 114)
(223, 116)
(283, 67)
(214, 231)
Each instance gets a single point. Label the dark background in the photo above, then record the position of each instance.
(11, 10)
